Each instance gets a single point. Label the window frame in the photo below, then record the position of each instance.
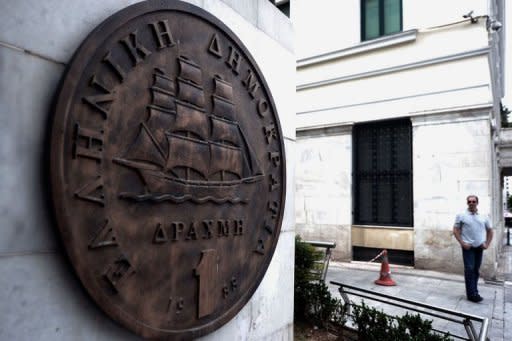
(381, 20)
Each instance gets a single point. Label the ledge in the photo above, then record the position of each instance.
(476, 112)
(325, 129)
(382, 42)
(383, 227)
(505, 136)
(383, 237)
(398, 68)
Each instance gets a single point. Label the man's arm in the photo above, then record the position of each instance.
(489, 234)
(456, 233)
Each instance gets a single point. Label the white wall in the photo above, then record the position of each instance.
(435, 71)
(324, 188)
(324, 25)
(451, 160)
(426, 14)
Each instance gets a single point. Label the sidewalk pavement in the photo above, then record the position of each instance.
(433, 288)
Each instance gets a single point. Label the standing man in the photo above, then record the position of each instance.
(474, 234)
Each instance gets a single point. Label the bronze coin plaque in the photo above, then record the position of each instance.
(167, 170)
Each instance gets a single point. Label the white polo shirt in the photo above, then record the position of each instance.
(473, 227)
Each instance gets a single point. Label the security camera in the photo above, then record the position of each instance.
(493, 24)
(470, 16)
(496, 25)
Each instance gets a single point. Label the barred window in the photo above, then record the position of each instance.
(383, 173)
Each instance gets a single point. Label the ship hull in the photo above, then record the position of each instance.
(162, 187)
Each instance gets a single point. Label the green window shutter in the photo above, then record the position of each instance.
(392, 16)
(380, 17)
(371, 19)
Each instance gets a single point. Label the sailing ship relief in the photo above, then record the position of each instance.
(182, 153)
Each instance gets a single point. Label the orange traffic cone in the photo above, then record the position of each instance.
(385, 273)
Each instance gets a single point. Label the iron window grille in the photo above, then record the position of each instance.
(383, 173)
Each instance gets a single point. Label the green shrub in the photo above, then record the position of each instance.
(313, 301)
(322, 308)
(375, 325)
(307, 260)
(371, 323)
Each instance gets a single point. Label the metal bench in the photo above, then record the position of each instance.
(324, 264)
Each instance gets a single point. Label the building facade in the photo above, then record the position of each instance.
(398, 114)
(42, 298)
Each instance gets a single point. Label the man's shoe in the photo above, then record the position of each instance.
(476, 298)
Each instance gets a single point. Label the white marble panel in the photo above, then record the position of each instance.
(27, 87)
(273, 312)
(54, 28)
(340, 234)
(43, 300)
(300, 210)
(289, 210)
(275, 24)
(457, 138)
(450, 160)
(248, 9)
(323, 181)
(453, 164)
(324, 210)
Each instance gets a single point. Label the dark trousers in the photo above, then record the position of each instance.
(472, 260)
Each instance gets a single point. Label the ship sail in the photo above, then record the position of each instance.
(223, 108)
(189, 83)
(163, 91)
(225, 158)
(145, 148)
(190, 70)
(188, 152)
(223, 88)
(191, 93)
(161, 99)
(191, 119)
(223, 99)
(223, 130)
(158, 123)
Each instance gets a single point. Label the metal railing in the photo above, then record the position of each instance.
(327, 255)
(445, 314)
